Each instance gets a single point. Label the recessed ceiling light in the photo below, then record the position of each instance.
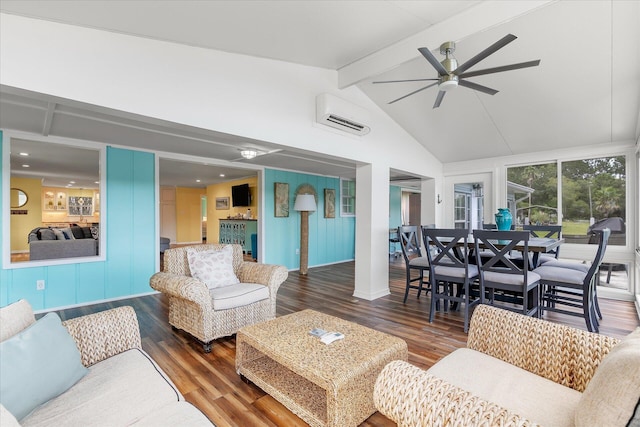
(221, 175)
(24, 154)
(96, 182)
(72, 182)
(25, 166)
(197, 180)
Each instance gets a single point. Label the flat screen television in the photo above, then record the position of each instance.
(240, 195)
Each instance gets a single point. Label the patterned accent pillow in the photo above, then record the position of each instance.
(214, 268)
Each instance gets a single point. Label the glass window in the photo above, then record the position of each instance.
(461, 210)
(532, 193)
(61, 217)
(593, 197)
(347, 197)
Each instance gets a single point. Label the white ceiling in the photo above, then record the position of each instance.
(585, 91)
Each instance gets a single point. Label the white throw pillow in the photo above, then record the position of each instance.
(214, 268)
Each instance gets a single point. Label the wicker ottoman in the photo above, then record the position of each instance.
(325, 385)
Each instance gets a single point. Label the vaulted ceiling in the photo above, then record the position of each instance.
(585, 91)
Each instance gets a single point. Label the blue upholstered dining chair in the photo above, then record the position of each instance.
(498, 271)
(447, 251)
(569, 285)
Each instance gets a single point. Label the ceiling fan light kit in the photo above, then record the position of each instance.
(248, 154)
(450, 75)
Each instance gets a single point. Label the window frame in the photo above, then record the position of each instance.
(347, 197)
(7, 136)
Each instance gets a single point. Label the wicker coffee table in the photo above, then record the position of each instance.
(325, 385)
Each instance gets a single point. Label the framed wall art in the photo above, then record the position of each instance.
(222, 203)
(329, 203)
(281, 199)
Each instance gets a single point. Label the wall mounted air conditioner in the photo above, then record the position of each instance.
(340, 114)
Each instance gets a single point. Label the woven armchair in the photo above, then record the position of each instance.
(413, 397)
(190, 302)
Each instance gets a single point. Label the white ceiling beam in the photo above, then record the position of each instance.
(48, 118)
(479, 18)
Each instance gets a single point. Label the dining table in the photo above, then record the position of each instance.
(537, 246)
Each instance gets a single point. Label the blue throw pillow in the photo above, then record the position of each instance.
(38, 364)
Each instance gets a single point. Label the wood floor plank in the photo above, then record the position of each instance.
(210, 382)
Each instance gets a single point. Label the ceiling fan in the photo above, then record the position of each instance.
(450, 75)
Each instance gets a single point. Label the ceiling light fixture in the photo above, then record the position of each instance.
(24, 154)
(248, 154)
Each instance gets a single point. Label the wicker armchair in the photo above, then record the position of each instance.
(508, 354)
(191, 304)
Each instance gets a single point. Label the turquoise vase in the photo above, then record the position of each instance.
(504, 219)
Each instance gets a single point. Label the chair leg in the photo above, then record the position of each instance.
(434, 298)
(588, 311)
(408, 286)
(207, 347)
(420, 282)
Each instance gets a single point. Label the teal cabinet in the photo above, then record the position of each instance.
(238, 231)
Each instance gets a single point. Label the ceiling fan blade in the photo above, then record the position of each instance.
(433, 61)
(501, 69)
(400, 81)
(414, 92)
(476, 86)
(482, 55)
(441, 95)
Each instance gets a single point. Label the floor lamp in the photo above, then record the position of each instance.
(305, 203)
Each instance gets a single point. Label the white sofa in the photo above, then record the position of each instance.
(122, 385)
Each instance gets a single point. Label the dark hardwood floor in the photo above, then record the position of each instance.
(210, 382)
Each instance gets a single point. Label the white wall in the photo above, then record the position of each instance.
(252, 97)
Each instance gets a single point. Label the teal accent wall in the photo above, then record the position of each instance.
(331, 240)
(395, 213)
(131, 249)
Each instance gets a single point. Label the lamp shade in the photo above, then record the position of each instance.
(305, 202)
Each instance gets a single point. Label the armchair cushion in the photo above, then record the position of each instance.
(612, 395)
(213, 267)
(504, 384)
(238, 295)
(38, 364)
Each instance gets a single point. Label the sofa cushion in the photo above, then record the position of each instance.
(238, 295)
(15, 318)
(117, 391)
(46, 234)
(59, 234)
(178, 414)
(68, 235)
(38, 364)
(77, 232)
(86, 233)
(613, 393)
(213, 267)
(535, 398)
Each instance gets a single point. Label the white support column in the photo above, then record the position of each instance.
(372, 232)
